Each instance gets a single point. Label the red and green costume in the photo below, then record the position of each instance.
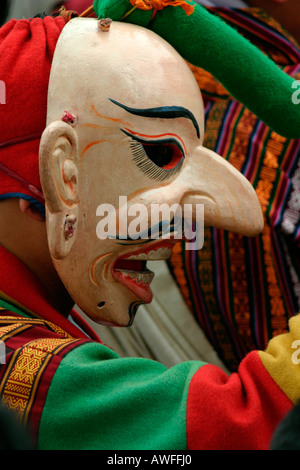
(75, 393)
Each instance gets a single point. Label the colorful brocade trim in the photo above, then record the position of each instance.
(33, 351)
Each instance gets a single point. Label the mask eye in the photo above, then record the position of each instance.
(166, 156)
(159, 159)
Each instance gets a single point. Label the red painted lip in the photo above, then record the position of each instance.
(133, 273)
(140, 289)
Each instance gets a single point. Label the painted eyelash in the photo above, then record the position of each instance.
(146, 165)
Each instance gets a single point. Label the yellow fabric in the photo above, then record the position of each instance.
(282, 360)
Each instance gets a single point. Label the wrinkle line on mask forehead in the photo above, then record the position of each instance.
(164, 112)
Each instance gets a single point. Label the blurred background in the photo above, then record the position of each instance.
(28, 8)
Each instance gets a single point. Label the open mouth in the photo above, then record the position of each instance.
(131, 270)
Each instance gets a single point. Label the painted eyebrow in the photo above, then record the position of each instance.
(164, 112)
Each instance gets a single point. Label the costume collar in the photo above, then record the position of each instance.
(22, 293)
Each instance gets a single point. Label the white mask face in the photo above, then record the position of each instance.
(136, 141)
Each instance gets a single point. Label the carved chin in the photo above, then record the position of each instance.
(124, 282)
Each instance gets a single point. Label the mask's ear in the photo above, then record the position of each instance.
(59, 179)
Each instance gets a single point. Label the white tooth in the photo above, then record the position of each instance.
(144, 278)
(152, 254)
(132, 274)
(141, 256)
(159, 254)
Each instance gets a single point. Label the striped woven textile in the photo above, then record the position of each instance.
(242, 291)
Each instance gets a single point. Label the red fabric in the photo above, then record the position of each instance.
(19, 284)
(26, 51)
(15, 347)
(78, 5)
(239, 412)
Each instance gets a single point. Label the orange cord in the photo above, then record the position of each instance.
(87, 12)
(160, 4)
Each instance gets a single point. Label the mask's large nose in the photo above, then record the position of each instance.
(206, 181)
(229, 200)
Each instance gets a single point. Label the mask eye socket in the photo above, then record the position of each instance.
(158, 159)
(166, 156)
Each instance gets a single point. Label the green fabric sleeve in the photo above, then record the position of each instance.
(99, 401)
(12, 308)
(206, 41)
